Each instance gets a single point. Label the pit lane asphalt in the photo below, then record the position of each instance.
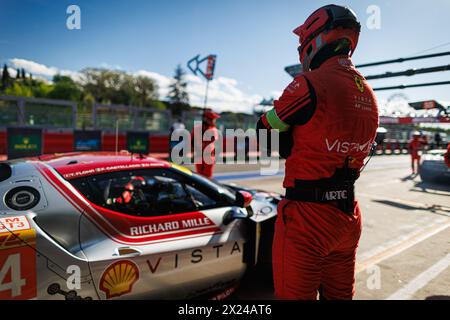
(404, 250)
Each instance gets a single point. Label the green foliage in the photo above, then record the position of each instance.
(64, 88)
(118, 87)
(40, 89)
(99, 86)
(19, 90)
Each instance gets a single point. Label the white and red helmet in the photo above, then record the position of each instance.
(325, 26)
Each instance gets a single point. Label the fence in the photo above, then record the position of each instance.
(34, 112)
(107, 117)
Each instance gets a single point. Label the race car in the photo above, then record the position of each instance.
(108, 226)
(433, 167)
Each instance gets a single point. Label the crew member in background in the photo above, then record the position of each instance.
(206, 168)
(437, 140)
(414, 146)
(329, 117)
(447, 156)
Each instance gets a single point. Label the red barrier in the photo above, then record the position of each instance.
(61, 142)
(58, 142)
(3, 142)
(109, 142)
(159, 143)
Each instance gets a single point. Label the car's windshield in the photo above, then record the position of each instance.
(153, 192)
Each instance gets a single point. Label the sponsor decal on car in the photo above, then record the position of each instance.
(14, 223)
(108, 169)
(118, 279)
(163, 263)
(17, 259)
(197, 221)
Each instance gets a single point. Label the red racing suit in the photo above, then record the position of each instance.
(414, 147)
(447, 156)
(332, 114)
(206, 168)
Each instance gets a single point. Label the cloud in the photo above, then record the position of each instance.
(225, 94)
(41, 70)
(34, 67)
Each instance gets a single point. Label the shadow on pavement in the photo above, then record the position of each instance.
(438, 298)
(435, 209)
(425, 186)
(257, 284)
(398, 205)
(409, 178)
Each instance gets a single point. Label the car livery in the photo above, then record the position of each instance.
(122, 226)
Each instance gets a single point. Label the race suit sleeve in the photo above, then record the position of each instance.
(295, 107)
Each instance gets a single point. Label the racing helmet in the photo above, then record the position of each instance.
(134, 185)
(327, 25)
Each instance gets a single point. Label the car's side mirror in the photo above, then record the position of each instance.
(243, 199)
(234, 214)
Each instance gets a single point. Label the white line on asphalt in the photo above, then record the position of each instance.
(408, 291)
(399, 245)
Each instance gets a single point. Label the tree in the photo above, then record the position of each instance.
(64, 88)
(178, 95)
(146, 91)
(23, 75)
(6, 78)
(119, 87)
(18, 90)
(18, 74)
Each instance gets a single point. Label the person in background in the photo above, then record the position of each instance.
(437, 140)
(414, 146)
(206, 168)
(447, 156)
(176, 127)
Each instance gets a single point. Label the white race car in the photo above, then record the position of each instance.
(106, 226)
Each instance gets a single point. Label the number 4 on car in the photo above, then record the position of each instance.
(134, 228)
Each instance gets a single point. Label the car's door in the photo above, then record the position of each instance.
(159, 234)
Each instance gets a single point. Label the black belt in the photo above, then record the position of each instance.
(343, 195)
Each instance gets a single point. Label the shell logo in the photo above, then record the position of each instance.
(118, 279)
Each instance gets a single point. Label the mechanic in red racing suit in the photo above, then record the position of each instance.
(327, 119)
(206, 168)
(414, 146)
(447, 156)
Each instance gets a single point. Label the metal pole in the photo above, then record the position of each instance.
(206, 94)
(117, 136)
(429, 84)
(408, 73)
(400, 60)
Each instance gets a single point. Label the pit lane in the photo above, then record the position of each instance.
(405, 246)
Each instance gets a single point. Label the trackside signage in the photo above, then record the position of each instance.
(138, 142)
(87, 140)
(24, 142)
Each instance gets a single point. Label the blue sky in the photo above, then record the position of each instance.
(252, 38)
